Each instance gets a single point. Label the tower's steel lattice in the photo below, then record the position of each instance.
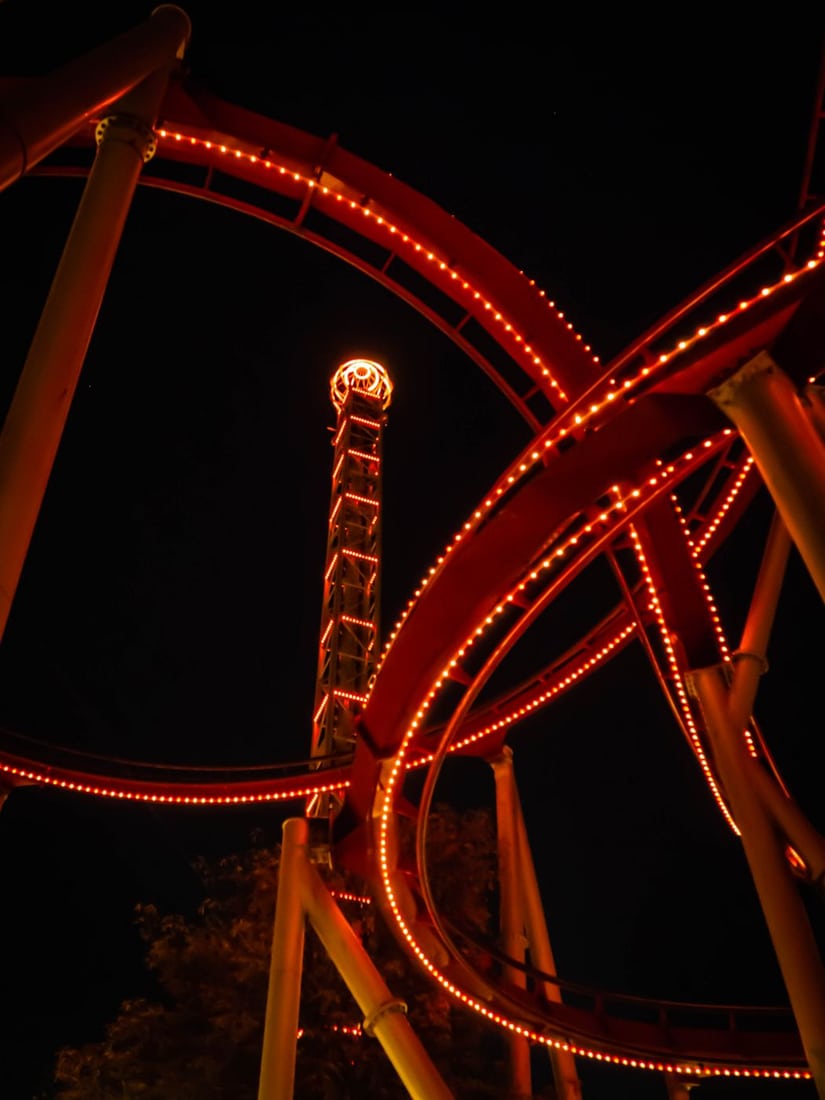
(350, 614)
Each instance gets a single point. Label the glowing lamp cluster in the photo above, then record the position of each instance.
(362, 375)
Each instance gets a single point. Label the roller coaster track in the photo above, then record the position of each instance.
(631, 463)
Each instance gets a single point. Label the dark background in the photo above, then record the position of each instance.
(170, 603)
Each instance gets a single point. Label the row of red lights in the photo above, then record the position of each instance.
(398, 766)
(228, 148)
(127, 794)
(545, 694)
(700, 754)
(710, 529)
(40, 777)
(614, 513)
(516, 1028)
(571, 422)
(180, 798)
(537, 701)
(716, 620)
(734, 1072)
(678, 681)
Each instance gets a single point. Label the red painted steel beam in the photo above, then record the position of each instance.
(17, 770)
(39, 115)
(678, 585)
(465, 256)
(482, 569)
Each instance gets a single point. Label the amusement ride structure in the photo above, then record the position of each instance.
(647, 463)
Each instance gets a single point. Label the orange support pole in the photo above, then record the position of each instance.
(384, 1015)
(794, 943)
(40, 114)
(766, 407)
(565, 1075)
(750, 661)
(277, 1076)
(303, 895)
(513, 938)
(35, 421)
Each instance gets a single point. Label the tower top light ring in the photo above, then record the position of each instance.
(363, 375)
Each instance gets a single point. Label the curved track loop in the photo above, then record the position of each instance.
(632, 464)
(522, 553)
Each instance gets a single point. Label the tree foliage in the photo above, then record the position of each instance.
(200, 1039)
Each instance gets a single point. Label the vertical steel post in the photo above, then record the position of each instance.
(750, 662)
(750, 659)
(793, 940)
(283, 998)
(384, 1014)
(39, 115)
(565, 1075)
(513, 940)
(34, 425)
(765, 406)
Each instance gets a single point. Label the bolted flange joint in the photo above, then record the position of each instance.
(131, 130)
(368, 1026)
(760, 659)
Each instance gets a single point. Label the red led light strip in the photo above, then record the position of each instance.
(226, 148)
(679, 684)
(396, 768)
(546, 693)
(572, 421)
(305, 789)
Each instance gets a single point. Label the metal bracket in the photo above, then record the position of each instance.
(133, 130)
(762, 661)
(368, 1026)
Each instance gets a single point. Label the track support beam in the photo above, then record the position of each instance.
(523, 920)
(302, 895)
(35, 421)
(41, 114)
(771, 416)
(787, 920)
(511, 919)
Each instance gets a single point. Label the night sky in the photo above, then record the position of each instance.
(169, 607)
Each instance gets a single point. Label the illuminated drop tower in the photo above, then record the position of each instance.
(349, 638)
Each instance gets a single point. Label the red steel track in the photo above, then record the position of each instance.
(632, 463)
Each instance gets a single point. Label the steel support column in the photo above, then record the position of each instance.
(511, 918)
(39, 115)
(766, 407)
(277, 1076)
(787, 920)
(750, 662)
(384, 1015)
(35, 421)
(302, 895)
(565, 1074)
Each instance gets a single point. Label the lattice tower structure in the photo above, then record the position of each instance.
(350, 612)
